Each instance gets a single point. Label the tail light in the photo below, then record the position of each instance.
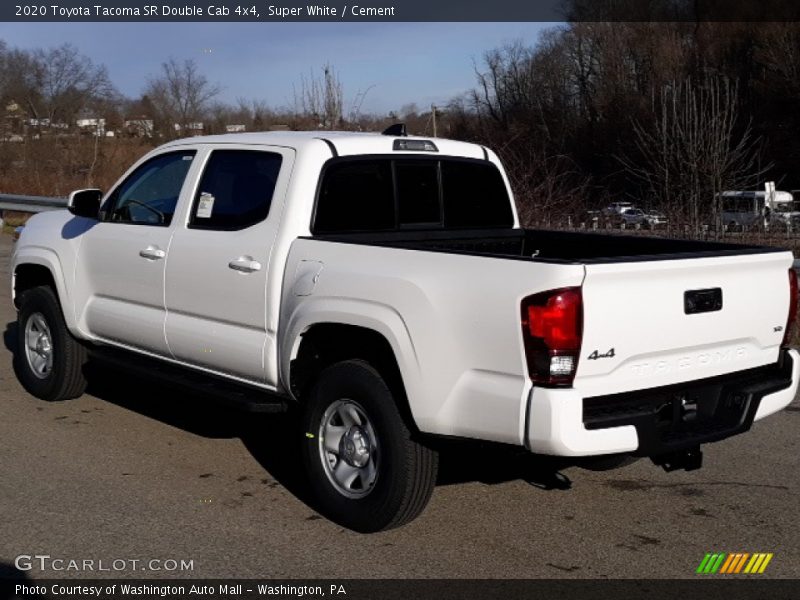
(792, 307)
(552, 328)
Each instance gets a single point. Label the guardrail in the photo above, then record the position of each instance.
(30, 204)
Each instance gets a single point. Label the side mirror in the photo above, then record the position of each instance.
(85, 203)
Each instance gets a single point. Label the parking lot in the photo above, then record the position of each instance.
(134, 471)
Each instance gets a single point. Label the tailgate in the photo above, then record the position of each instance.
(642, 330)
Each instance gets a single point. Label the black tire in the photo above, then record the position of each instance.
(406, 470)
(65, 378)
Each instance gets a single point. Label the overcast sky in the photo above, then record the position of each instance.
(405, 62)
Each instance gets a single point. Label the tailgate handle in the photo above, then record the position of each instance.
(702, 301)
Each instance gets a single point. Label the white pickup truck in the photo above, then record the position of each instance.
(382, 285)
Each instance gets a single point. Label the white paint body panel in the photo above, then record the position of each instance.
(119, 295)
(637, 308)
(129, 309)
(216, 316)
(556, 424)
(780, 400)
(51, 240)
(452, 320)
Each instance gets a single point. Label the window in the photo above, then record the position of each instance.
(150, 194)
(739, 204)
(356, 196)
(384, 194)
(418, 192)
(474, 195)
(236, 189)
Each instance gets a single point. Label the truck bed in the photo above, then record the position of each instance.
(551, 246)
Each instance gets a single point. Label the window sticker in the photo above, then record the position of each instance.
(205, 206)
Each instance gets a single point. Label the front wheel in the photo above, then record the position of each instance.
(366, 471)
(49, 361)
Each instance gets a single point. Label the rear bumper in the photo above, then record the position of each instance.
(661, 420)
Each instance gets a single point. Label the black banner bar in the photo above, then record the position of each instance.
(274, 11)
(704, 588)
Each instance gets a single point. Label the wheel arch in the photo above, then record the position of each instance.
(37, 267)
(319, 343)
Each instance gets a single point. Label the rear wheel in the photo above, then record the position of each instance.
(366, 471)
(49, 361)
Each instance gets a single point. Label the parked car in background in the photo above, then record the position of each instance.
(654, 219)
(632, 216)
(616, 208)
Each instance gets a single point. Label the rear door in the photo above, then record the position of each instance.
(653, 323)
(216, 275)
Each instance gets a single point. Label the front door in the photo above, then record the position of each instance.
(121, 262)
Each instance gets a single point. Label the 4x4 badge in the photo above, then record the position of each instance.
(595, 355)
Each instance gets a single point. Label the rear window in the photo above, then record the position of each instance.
(474, 196)
(418, 192)
(356, 196)
(384, 194)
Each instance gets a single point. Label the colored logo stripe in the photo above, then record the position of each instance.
(734, 563)
(711, 562)
(724, 563)
(758, 563)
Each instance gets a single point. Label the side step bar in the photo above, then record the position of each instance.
(235, 395)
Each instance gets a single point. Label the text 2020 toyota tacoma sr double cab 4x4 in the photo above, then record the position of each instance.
(383, 285)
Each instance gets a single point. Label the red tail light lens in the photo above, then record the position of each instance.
(792, 307)
(552, 328)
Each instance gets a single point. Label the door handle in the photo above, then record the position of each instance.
(245, 264)
(152, 253)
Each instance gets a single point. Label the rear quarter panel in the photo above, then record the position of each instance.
(452, 320)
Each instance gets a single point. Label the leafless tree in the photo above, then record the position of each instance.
(354, 114)
(549, 189)
(321, 98)
(506, 84)
(692, 149)
(779, 53)
(181, 94)
(56, 84)
(261, 114)
(69, 82)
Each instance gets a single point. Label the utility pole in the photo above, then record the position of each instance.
(433, 117)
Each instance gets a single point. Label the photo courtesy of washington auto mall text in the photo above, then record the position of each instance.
(160, 590)
(399, 299)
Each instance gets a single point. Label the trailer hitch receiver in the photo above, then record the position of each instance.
(690, 459)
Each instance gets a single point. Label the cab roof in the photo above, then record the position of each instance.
(344, 143)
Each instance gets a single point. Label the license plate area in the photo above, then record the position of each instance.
(685, 415)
